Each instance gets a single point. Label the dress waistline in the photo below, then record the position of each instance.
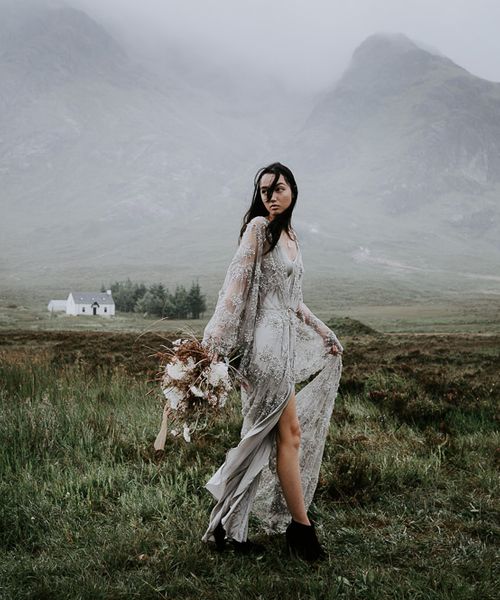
(288, 340)
(282, 311)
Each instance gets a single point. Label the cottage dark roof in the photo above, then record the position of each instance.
(90, 297)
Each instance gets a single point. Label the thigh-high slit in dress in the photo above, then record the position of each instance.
(260, 312)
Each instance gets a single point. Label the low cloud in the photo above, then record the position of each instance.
(306, 42)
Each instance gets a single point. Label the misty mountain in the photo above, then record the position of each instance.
(402, 159)
(114, 165)
(408, 131)
(100, 156)
(90, 125)
(397, 100)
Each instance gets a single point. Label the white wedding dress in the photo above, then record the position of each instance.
(260, 313)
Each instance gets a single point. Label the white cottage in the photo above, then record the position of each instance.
(85, 303)
(57, 306)
(90, 303)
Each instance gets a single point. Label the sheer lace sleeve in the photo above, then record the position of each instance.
(233, 321)
(305, 314)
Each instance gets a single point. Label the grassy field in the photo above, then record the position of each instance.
(407, 502)
(449, 313)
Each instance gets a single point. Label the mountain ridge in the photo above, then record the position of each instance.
(113, 164)
(431, 132)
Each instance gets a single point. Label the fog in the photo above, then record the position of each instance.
(123, 162)
(307, 42)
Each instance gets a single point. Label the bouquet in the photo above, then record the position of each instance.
(194, 385)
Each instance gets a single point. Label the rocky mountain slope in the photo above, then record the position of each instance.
(111, 167)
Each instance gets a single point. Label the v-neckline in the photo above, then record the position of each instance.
(292, 260)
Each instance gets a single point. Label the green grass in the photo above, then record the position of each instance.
(407, 501)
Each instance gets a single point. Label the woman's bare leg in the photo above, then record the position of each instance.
(287, 461)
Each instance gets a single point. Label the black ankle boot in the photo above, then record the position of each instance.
(302, 542)
(246, 547)
(220, 537)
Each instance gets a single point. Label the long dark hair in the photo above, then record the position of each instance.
(281, 222)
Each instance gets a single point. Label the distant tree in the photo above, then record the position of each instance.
(125, 294)
(169, 309)
(150, 303)
(158, 289)
(196, 301)
(156, 300)
(139, 292)
(180, 301)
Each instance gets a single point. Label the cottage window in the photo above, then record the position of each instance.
(83, 308)
(105, 309)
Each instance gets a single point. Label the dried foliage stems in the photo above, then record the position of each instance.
(195, 384)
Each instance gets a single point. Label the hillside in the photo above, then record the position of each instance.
(114, 168)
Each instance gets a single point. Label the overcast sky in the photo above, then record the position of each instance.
(310, 41)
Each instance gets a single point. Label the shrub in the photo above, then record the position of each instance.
(353, 478)
(404, 399)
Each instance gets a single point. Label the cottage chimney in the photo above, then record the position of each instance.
(108, 292)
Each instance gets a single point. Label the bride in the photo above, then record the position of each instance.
(260, 313)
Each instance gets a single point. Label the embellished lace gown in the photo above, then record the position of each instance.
(260, 313)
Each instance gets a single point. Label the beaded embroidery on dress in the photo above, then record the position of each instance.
(260, 312)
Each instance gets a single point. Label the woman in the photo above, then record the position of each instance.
(260, 312)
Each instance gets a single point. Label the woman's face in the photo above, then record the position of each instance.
(281, 198)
